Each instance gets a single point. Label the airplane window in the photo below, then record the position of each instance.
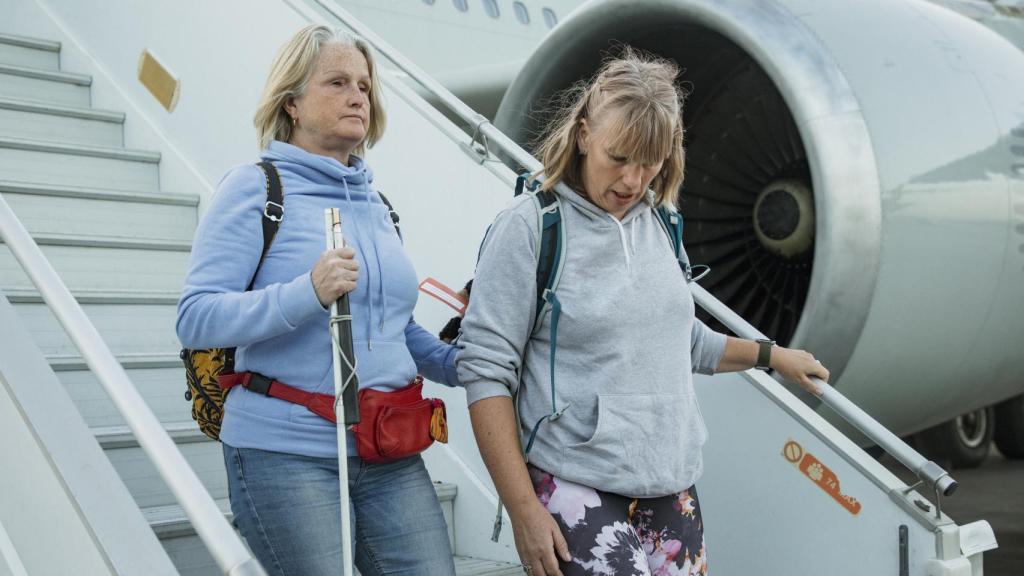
(461, 5)
(550, 18)
(491, 7)
(522, 14)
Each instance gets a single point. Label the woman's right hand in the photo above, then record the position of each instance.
(335, 274)
(538, 539)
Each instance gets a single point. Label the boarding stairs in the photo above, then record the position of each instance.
(121, 244)
(790, 490)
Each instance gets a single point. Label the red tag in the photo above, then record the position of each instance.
(445, 294)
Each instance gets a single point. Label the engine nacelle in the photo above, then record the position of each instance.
(855, 179)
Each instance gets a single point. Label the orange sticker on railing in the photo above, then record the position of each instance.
(820, 474)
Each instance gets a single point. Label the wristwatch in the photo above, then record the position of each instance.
(764, 353)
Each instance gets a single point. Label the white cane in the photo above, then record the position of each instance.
(344, 376)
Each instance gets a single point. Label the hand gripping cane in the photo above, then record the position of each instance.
(346, 384)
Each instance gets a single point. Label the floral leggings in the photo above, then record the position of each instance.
(613, 535)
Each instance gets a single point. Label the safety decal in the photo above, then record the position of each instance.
(820, 474)
(445, 294)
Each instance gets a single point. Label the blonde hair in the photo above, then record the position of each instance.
(290, 74)
(636, 95)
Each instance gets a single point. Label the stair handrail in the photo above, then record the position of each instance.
(224, 544)
(927, 471)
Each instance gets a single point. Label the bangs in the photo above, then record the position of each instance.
(641, 132)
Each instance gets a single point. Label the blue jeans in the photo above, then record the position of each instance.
(287, 508)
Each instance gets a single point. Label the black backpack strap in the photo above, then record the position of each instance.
(391, 211)
(273, 212)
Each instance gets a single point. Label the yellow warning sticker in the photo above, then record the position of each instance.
(820, 474)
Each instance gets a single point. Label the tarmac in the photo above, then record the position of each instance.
(994, 492)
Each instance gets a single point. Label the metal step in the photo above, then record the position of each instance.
(205, 456)
(29, 52)
(55, 164)
(40, 85)
(104, 269)
(466, 566)
(58, 215)
(163, 389)
(126, 328)
(127, 196)
(54, 123)
(72, 362)
(136, 297)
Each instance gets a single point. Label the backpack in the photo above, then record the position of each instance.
(202, 367)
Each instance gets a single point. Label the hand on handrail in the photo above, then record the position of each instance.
(800, 367)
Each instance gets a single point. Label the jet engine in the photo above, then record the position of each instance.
(854, 179)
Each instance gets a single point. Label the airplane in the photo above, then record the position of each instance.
(901, 270)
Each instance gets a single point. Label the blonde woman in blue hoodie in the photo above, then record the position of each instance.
(320, 108)
(609, 488)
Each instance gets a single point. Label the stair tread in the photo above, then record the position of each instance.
(16, 187)
(81, 150)
(70, 362)
(85, 296)
(96, 241)
(29, 42)
(467, 565)
(42, 107)
(41, 74)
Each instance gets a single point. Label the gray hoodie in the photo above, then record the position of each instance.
(627, 345)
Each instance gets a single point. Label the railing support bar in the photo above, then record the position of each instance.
(214, 530)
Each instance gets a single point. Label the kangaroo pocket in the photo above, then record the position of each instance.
(644, 445)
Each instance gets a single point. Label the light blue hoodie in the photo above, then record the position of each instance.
(279, 327)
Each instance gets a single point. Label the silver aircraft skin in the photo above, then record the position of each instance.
(887, 138)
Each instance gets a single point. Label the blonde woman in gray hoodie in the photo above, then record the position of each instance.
(609, 488)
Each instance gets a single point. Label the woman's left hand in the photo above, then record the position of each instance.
(798, 366)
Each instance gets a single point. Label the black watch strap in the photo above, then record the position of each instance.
(764, 353)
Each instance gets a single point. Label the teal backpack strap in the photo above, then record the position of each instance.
(672, 224)
(550, 249)
(550, 261)
(523, 182)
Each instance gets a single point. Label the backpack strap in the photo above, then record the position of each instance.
(672, 224)
(273, 212)
(550, 251)
(523, 182)
(394, 215)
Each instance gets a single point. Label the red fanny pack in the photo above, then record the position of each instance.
(392, 425)
(397, 424)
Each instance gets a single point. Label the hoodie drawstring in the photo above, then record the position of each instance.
(376, 254)
(369, 298)
(622, 238)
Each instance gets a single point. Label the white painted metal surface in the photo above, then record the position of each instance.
(56, 480)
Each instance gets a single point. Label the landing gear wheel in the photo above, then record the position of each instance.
(963, 442)
(1009, 434)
